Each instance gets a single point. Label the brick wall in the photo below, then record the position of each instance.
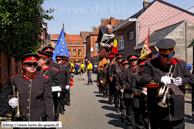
(8, 68)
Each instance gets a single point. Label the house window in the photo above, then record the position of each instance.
(79, 52)
(96, 46)
(55, 42)
(70, 42)
(77, 42)
(130, 35)
(74, 52)
(120, 41)
(69, 51)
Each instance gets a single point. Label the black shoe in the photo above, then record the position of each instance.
(110, 103)
(122, 119)
(62, 112)
(117, 110)
(92, 83)
(68, 104)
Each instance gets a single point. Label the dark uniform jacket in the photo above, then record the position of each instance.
(110, 73)
(53, 74)
(126, 82)
(100, 75)
(139, 100)
(135, 69)
(54, 65)
(118, 67)
(68, 65)
(153, 71)
(35, 97)
(118, 84)
(65, 76)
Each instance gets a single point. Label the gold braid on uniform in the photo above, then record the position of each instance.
(152, 84)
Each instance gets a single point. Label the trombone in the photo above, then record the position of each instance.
(164, 91)
(17, 109)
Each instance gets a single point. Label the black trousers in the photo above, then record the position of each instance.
(123, 108)
(162, 124)
(106, 90)
(62, 100)
(67, 96)
(111, 92)
(141, 118)
(116, 98)
(130, 124)
(56, 105)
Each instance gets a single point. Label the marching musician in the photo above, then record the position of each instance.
(139, 102)
(65, 80)
(110, 79)
(106, 86)
(49, 50)
(118, 67)
(67, 64)
(54, 76)
(35, 98)
(126, 83)
(167, 111)
(133, 59)
(120, 88)
(100, 77)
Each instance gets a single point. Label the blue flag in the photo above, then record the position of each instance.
(60, 47)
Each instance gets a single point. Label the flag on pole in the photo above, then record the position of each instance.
(145, 49)
(61, 47)
(115, 47)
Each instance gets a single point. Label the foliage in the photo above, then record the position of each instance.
(20, 24)
(93, 28)
(102, 19)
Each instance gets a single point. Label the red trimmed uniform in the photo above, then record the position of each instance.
(153, 71)
(35, 97)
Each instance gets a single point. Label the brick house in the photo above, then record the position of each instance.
(75, 45)
(91, 40)
(83, 35)
(181, 32)
(155, 15)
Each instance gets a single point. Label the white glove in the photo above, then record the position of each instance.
(67, 87)
(178, 81)
(101, 81)
(166, 80)
(13, 102)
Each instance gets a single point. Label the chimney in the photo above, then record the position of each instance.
(112, 21)
(145, 3)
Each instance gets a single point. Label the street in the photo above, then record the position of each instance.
(89, 110)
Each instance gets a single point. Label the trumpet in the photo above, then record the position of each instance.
(17, 109)
(164, 91)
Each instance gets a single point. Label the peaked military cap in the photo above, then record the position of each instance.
(29, 58)
(125, 61)
(43, 54)
(48, 49)
(133, 56)
(166, 47)
(141, 62)
(119, 55)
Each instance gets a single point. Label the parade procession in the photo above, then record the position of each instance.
(134, 72)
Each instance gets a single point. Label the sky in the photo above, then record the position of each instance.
(82, 15)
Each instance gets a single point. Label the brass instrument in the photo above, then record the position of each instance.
(104, 82)
(164, 91)
(17, 109)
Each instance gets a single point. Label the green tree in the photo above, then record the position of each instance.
(20, 24)
(93, 28)
(102, 19)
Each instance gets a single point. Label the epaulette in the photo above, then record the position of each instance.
(14, 75)
(149, 59)
(45, 76)
(181, 59)
(55, 69)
